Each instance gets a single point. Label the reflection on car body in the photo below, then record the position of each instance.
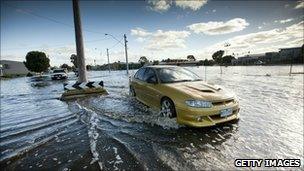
(180, 93)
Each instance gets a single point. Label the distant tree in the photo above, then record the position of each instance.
(218, 58)
(53, 67)
(208, 62)
(200, 62)
(227, 59)
(191, 58)
(143, 60)
(36, 61)
(155, 62)
(74, 60)
(89, 67)
(166, 60)
(64, 66)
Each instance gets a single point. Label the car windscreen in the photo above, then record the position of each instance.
(58, 71)
(176, 74)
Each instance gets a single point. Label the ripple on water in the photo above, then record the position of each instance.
(138, 137)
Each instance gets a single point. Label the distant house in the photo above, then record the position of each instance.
(179, 62)
(284, 56)
(270, 57)
(247, 60)
(8, 67)
(294, 54)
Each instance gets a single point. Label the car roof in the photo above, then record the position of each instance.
(161, 66)
(60, 69)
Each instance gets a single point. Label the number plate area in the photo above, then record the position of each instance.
(226, 112)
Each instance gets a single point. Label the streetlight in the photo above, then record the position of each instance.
(126, 47)
(108, 60)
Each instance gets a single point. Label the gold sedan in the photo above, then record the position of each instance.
(180, 93)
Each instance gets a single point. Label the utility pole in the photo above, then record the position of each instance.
(79, 43)
(205, 73)
(108, 59)
(126, 52)
(291, 60)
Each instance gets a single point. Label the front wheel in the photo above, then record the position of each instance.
(168, 108)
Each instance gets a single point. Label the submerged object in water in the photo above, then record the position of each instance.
(79, 90)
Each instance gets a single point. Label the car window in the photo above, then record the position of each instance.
(140, 74)
(149, 73)
(176, 74)
(58, 71)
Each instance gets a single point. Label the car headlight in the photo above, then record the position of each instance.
(199, 103)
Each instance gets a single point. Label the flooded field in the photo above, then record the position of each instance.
(115, 132)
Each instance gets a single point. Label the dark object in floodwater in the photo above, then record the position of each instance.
(39, 84)
(80, 93)
(39, 78)
(79, 90)
(268, 75)
(29, 74)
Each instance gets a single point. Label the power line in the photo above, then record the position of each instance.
(116, 44)
(55, 45)
(58, 22)
(107, 34)
(47, 18)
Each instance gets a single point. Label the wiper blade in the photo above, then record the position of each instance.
(182, 80)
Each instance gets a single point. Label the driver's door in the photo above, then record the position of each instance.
(150, 89)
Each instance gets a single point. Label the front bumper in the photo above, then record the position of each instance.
(196, 117)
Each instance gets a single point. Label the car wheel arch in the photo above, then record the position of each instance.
(166, 97)
(131, 88)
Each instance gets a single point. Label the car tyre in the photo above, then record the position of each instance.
(168, 108)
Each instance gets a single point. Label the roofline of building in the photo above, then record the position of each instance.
(291, 48)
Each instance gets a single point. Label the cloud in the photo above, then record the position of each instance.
(260, 27)
(262, 41)
(214, 10)
(300, 4)
(60, 55)
(164, 5)
(161, 40)
(217, 28)
(286, 21)
(139, 32)
(159, 5)
(191, 4)
(13, 57)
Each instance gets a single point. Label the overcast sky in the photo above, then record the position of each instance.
(156, 29)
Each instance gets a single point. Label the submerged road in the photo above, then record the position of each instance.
(115, 132)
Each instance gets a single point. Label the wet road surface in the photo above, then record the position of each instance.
(116, 132)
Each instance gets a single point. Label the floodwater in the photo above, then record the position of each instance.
(115, 132)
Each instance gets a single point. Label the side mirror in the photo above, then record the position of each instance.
(152, 80)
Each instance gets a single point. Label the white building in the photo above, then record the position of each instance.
(8, 67)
